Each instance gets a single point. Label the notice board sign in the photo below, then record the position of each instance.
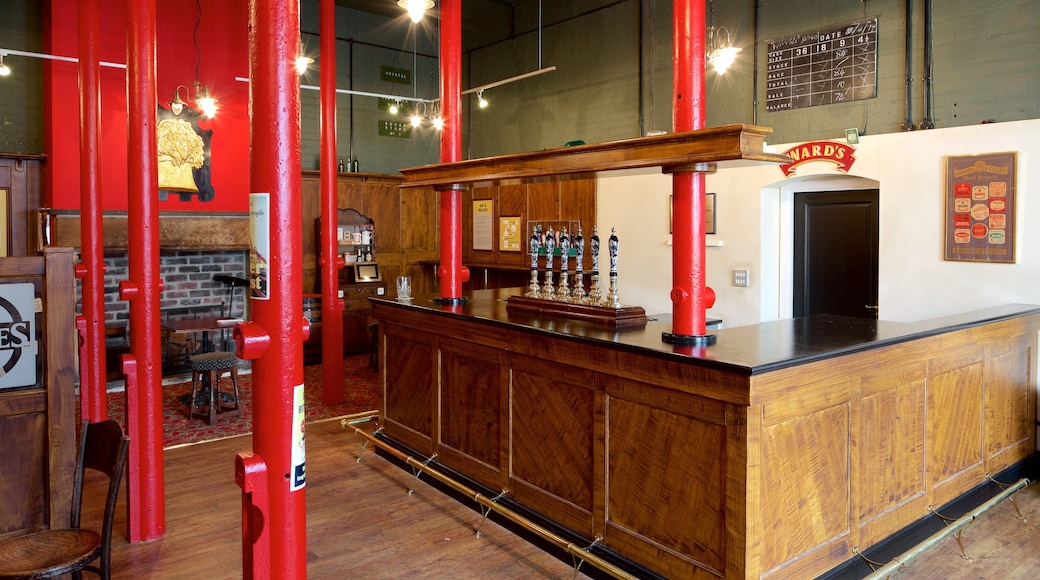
(980, 208)
(822, 67)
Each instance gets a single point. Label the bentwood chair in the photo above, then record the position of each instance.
(52, 553)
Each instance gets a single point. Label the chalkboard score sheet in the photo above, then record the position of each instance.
(823, 67)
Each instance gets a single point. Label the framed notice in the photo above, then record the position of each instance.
(483, 211)
(509, 234)
(979, 221)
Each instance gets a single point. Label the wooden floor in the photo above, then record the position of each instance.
(361, 521)
(362, 524)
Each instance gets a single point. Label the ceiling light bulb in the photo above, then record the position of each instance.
(4, 69)
(393, 108)
(438, 123)
(302, 62)
(416, 120)
(723, 58)
(481, 102)
(205, 102)
(415, 8)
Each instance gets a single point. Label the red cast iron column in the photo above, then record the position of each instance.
(451, 271)
(277, 298)
(93, 397)
(690, 296)
(332, 262)
(147, 510)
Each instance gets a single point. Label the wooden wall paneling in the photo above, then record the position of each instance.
(409, 393)
(552, 437)
(667, 479)
(954, 431)
(1010, 403)
(419, 220)
(805, 496)
(580, 204)
(472, 409)
(543, 201)
(350, 192)
(381, 201)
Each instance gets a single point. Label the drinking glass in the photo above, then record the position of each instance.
(404, 287)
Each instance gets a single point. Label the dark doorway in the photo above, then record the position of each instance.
(836, 253)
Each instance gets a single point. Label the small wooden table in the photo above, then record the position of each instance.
(203, 325)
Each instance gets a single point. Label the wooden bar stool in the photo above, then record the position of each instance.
(206, 370)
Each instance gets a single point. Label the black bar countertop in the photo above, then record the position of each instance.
(750, 349)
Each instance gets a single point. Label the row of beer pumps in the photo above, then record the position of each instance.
(549, 244)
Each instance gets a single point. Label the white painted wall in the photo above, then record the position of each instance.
(753, 213)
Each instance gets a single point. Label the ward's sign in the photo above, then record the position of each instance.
(17, 335)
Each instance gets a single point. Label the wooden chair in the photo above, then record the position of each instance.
(206, 370)
(52, 553)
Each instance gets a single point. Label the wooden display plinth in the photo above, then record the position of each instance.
(623, 316)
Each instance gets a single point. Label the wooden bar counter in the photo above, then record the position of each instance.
(776, 452)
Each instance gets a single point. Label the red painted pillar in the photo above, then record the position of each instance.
(451, 271)
(332, 262)
(93, 398)
(278, 328)
(146, 504)
(690, 297)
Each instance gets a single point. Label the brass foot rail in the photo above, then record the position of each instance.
(953, 528)
(580, 554)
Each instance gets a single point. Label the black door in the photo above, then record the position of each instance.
(836, 253)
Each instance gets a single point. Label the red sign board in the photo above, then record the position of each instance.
(839, 153)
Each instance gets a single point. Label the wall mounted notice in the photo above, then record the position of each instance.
(980, 208)
(17, 335)
(483, 230)
(823, 67)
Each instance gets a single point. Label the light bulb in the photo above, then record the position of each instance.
(438, 123)
(302, 62)
(481, 102)
(393, 108)
(416, 120)
(723, 58)
(4, 69)
(205, 102)
(415, 8)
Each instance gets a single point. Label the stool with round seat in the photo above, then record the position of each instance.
(206, 370)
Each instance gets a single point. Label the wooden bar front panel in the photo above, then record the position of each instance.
(701, 472)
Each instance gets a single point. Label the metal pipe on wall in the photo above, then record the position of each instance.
(91, 270)
(690, 296)
(273, 339)
(145, 484)
(927, 122)
(908, 123)
(451, 271)
(332, 262)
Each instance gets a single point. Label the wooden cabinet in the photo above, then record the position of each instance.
(37, 420)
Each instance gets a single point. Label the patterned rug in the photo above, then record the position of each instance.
(359, 384)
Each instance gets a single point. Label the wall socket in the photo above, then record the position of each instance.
(740, 277)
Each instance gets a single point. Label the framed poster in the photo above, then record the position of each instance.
(509, 234)
(979, 221)
(483, 210)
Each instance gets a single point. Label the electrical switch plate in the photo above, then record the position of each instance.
(740, 277)
(379, 291)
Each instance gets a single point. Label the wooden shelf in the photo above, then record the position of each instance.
(699, 150)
